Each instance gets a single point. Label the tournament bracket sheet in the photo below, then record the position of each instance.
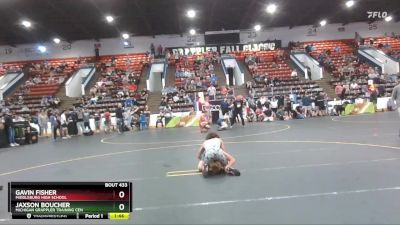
(70, 200)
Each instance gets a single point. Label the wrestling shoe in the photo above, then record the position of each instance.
(232, 172)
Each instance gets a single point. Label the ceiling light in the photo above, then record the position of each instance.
(257, 27)
(125, 36)
(349, 3)
(109, 19)
(26, 23)
(388, 18)
(191, 13)
(322, 23)
(56, 40)
(271, 8)
(126, 43)
(42, 48)
(192, 31)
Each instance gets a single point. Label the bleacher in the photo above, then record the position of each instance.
(33, 103)
(120, 65)
(394, 43)
(389, 45)
(51, 76)
(133, 62)
(336, 57)
(287, 86)
(273, 66)
(341, 60)
(264, 60)
(50, 79)
(195, 65)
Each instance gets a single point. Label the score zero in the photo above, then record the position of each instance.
(116, 184)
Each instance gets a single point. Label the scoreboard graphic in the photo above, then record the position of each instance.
(70, 200)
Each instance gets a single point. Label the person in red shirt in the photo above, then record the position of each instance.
(260, 115)
(107, 121)
(339, 90)
(204, 122)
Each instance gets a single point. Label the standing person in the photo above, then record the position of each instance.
(306, 101)
(396, 97)
(43, 120)
(64, 126)
(119, 113)
(80, 122)
(152, 49)
(211, 92)
(142, 121)
(55, 125)
(86, 120)
(274, 104)
(320, 104)
(107, 121)
(225, 106)
(10, 128)
(72, 122)
(237, 107)
(97, 119)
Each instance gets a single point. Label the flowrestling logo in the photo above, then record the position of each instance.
(377, 14)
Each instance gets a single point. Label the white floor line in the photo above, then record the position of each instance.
(292, 151)
(278, 168)
(322, 164)
(269, 198)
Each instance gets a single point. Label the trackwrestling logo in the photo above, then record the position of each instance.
(377, 14)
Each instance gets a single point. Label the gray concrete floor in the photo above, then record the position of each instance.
(313, 171)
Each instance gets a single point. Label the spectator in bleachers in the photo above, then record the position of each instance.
(339, 90)
(337, 49)
(354, 85)
(144, 94)
(212, 91)
(293, 74)
(159, 50)
(152, 49)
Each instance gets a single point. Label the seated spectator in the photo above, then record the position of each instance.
(353, 85)
(294, 73)
(61, 80)
(214, 80)
(339, 90)
(56, 101)
(298, 113)
(20, 100)
(144, 94)
(259, 114)
(269, 114)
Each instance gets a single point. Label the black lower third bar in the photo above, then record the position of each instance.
(88, 216)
